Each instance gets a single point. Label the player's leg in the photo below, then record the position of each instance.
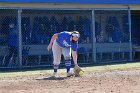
(67, 56)
(56, 56)
(11, 50)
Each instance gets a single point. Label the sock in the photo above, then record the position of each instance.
(68, 64)
(55, 67)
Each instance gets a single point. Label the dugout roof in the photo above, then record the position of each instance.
(76, 1)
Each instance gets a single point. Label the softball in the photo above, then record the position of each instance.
(81, 73)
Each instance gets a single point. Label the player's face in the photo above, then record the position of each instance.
(74, 39)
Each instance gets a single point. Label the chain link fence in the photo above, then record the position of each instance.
(112, 35)
(8, 38)
(38, 26)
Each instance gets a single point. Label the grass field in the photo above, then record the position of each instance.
(30, 72)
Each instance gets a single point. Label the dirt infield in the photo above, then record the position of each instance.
(117, 81)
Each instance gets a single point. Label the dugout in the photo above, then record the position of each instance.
(105, 30)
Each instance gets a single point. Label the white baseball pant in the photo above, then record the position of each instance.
(58, 51)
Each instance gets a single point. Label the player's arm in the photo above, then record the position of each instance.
(51, 42)
(74, 55)
(77, 70)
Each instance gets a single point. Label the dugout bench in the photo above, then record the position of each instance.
(112, 49)
(38, 51)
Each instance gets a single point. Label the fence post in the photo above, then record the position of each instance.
(19, 38)
(130, 41)
(94, 38)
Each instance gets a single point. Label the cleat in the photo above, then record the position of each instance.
(69, 74)
(54, 74)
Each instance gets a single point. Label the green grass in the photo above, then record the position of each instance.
(24, 73)
(112, 67)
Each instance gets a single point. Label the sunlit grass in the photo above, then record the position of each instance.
(25, 73)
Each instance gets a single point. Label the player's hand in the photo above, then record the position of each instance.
(76, 66)
(49, 47)
(78, 72)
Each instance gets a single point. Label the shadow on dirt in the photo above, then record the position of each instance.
(52, 78)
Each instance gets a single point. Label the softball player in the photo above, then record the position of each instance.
(65, 43)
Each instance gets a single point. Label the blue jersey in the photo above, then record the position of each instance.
(12, 37)
(63, 40)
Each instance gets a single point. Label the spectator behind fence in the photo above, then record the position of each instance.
(102, 37)
(12, 43)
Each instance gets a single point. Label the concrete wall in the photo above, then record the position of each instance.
(63, 5)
